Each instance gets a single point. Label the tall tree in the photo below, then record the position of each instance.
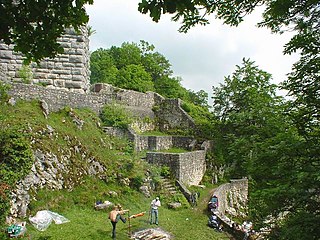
(102, 66)
(246, 105)
(258, 139)
(300, 17)
(128, 53)
(134, 77)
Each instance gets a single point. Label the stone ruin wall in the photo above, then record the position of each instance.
(172, 116)
(64, 81)
(189, 168)
(68, 71)
(233, 197)
(140, 105)
(151, 143)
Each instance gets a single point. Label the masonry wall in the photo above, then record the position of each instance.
(233, 197)
(68, 71)
(188, 168)
(57, 99)
(172, 116)
(192, 167)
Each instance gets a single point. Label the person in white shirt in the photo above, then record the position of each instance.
(155, 203)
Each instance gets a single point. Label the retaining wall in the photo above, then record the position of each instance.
(233, 197)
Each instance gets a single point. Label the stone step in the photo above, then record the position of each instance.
(168, 186)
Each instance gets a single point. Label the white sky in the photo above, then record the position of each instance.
(204, 55)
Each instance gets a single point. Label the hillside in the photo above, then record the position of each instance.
(86, 166)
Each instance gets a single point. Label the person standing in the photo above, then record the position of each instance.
(155, 204)
(247, 228)
(114, 217)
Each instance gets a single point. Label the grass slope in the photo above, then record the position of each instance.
(77, 205)
(87, 223)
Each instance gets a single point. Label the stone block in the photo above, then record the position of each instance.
(52, 76)
(50, 65)
(40, 75)
(5, 61)
(4, 46)
(3, 67)
(80, 52)
(61, 71)
(63, 58)
(78, 78)
(59, 83)
(41, 70)
(79, 65)
(46, 81)
(68, 65)
(72, 84)
(58, 65)
(76, 59)
(65, 44)
(65, 76)
(7, 54)
(77, 45)
(70, 51)
(42, 64)
(80, 90)
(77, 71)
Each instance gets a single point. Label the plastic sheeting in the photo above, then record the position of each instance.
(43, 219)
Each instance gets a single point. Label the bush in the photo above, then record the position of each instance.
(16, 161)
(136, 182)
(115, 116)
(165, 171)
(3, 92)
(186, 107)
(26, 74)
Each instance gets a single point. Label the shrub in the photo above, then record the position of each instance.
(186, 107)
(3, 92)
(16, 161)
(136, 182)
(165, 171)
(26, 74)
(115, 116)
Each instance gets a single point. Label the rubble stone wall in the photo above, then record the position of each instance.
(233, 197)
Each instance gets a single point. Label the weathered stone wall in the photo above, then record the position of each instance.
(69, 70)
(188, 168)
(192, 167)
(126, 97)
(172, 116)
(233, 197)
(139, 105)
(57, 99)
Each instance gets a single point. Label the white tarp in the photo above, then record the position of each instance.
(43, 219)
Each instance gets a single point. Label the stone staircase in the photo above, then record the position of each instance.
(168, 186)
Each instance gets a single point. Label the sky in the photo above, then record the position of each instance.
(204, 55)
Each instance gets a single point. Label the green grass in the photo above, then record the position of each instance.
(174, 150)
(88, 223)
(119, 160)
